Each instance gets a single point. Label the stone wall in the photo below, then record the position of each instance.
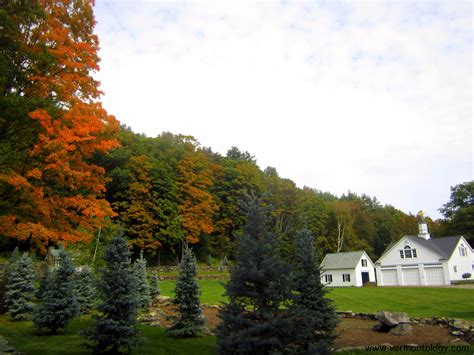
(460, 328)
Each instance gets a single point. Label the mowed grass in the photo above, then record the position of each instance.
(447, 302)
(23, 336)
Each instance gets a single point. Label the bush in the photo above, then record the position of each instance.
(466, 275)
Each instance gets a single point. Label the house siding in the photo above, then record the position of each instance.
(464, 264)
(356, 274)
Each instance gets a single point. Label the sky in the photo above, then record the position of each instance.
(374, 97)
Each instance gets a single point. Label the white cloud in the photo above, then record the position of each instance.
(372, 97)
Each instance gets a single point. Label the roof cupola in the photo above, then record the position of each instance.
(422, 226)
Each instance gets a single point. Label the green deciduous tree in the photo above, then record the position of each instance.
(459, 210)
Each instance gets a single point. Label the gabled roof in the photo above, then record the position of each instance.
(444, 246)
(347, 260)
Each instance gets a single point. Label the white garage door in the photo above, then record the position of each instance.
(434, 276)
(411, 277)
(389, 278)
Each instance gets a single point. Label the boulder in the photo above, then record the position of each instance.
(461, 324)
(401, 329)
(392, 318)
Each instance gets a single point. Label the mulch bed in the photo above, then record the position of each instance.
(352, 332)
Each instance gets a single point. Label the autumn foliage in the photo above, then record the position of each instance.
(52, 124)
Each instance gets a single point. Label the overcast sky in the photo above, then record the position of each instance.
(373, 97)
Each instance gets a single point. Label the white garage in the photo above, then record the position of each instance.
(411, 276)
(434, 275)
(389, 277)
(425, 261)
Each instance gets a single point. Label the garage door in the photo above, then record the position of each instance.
(411, 277)
(389, 278)
(434, 276)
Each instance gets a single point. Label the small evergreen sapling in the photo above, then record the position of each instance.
(58, 303)
(255, 321)
(154, 286)
(20, 288)
(85, 290)
(315, 313)
(189, 320)
(143, 288)
(115, 326)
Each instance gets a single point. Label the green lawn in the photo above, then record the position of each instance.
(426, 302)
(416, 301)
(23, 336)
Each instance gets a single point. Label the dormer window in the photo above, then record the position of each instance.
(408, 253)
(364, 262)
(462, 250)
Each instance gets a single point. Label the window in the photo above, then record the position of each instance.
(408, 253)
(462, 250)
(455, 268)
(364, 262)
(328, 278)
(346, 277)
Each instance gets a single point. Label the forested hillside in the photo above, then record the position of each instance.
(169, 189)
(69, 173)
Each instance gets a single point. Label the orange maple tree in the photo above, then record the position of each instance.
(196, 204)
(55, 193)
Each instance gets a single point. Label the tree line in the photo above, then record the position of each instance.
(69, 172)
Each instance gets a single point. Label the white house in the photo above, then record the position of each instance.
(347, 269)
(420, 260)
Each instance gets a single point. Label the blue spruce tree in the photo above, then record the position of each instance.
(154, 286)
(57, 297)
(115, 327)
(255, 320)
(143, 288)
(85, 289)
(189, 320)
(315, 313)
(20, 288)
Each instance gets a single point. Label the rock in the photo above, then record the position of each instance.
(392, 318)
(457, 333)
(461, 324)
(401, 329)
